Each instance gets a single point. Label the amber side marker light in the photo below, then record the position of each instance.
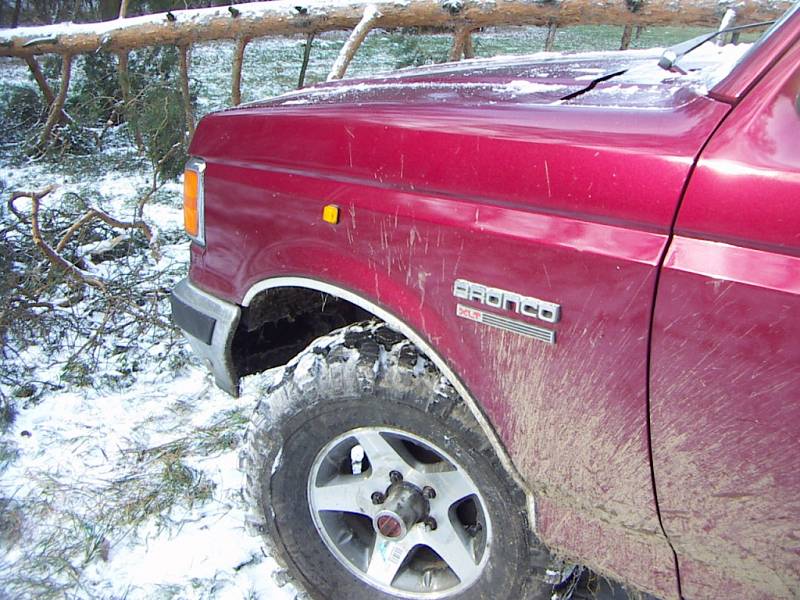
(193, 200)
(330, 214)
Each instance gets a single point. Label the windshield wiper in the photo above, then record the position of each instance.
(674, 53)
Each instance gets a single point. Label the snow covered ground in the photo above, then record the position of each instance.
(135, 494)
(121, 481)
(128, 487)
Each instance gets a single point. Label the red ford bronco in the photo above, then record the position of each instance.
(544, 312)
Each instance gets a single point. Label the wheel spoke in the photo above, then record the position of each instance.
(344, 494)
(450, 486)
(387, 557)
(354, 477)
(453, 547)
(382, 456)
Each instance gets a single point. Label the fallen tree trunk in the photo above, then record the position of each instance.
(284, 17)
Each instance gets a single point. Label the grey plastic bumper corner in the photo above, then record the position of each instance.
(209, 324)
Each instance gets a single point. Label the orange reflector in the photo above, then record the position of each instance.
(330, 214)
(191, 220)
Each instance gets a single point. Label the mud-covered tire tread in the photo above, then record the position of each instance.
(383, 360)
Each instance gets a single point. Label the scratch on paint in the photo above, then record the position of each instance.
(413, 236)
(721, 294)
(547, 275)
(547, 176)
(384, 237)
(674, 322)
(422, 276)
(635, 295)
(402, 165)
(458, 258)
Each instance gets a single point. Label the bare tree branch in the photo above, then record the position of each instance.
(627, 34)
(97, 214)
(54, 257)
(187, 99)
(301, 81)
(57, 107)
(460, 37)
(550, 41)
(469, 49)
(353, 43)
(236, 71)
(128, 111)
(38, 76)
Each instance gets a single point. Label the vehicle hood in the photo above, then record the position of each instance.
(624, 79)
(606, 136)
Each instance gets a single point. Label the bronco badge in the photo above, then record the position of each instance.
(504, 300)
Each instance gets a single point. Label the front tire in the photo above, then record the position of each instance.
(371, 479)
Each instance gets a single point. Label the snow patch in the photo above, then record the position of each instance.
(522, 87)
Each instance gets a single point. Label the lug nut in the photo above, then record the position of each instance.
(378, 498)
(430, 523)
(395, 476)
(429, 492)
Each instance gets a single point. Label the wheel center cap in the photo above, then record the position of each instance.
(390, 526)
(404, 506)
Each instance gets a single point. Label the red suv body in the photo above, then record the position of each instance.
(602, 256)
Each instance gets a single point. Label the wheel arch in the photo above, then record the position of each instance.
(374, 309)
